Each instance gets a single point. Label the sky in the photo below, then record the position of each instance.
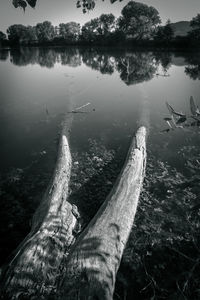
(63, 11)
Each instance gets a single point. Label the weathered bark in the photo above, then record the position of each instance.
(38, 260)
(89, 271)
(94, 259)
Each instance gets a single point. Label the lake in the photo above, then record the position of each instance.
(113, 92)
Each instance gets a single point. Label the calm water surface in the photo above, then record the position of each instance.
(39, 86)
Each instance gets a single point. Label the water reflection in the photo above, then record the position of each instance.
(4, 54)
(193, 68)
(70, 57)
(25, 56)
(133, 67)
(102, 62)
(45, 57)
(136, 67)
(165, 59)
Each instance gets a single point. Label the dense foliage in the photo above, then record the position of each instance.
(164, 34)
(138, 20)
(195, 24)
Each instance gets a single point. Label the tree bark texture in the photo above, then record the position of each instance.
(94, 259)
(37, 263)
(48, 264)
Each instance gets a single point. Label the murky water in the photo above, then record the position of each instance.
(39, 86)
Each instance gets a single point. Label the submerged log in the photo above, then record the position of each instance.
(37, 263)
(44, 267)
(94, 259)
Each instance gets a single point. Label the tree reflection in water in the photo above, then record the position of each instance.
(45, 57)
(41, 56)
(165, 59)
(4, 54)
(193, 68)
(133, 66)
(136, 67)
(98, 60)
(70, 57)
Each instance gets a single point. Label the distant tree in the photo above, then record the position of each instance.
(168, 31)
(99, 28)
(138, 20)
(2, 36)
(45, 31)
(20, 34)
(16, 33)
(107, 23)
(164, 34)
(30, 34)
(70, 31)
(90, 30)
(195, 24)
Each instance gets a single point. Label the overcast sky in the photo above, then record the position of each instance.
(59, 11)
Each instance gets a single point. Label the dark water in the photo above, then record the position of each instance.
(38, 86)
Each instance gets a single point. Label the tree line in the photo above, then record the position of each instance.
(138, 24)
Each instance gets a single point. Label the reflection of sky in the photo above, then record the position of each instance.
(65, 10)
(27, 91)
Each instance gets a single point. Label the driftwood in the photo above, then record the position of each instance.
(35, 268)
(45, 268)
(94, 259)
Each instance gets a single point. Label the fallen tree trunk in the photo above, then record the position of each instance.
(94, 259)
(35, 268)
(42, 267)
